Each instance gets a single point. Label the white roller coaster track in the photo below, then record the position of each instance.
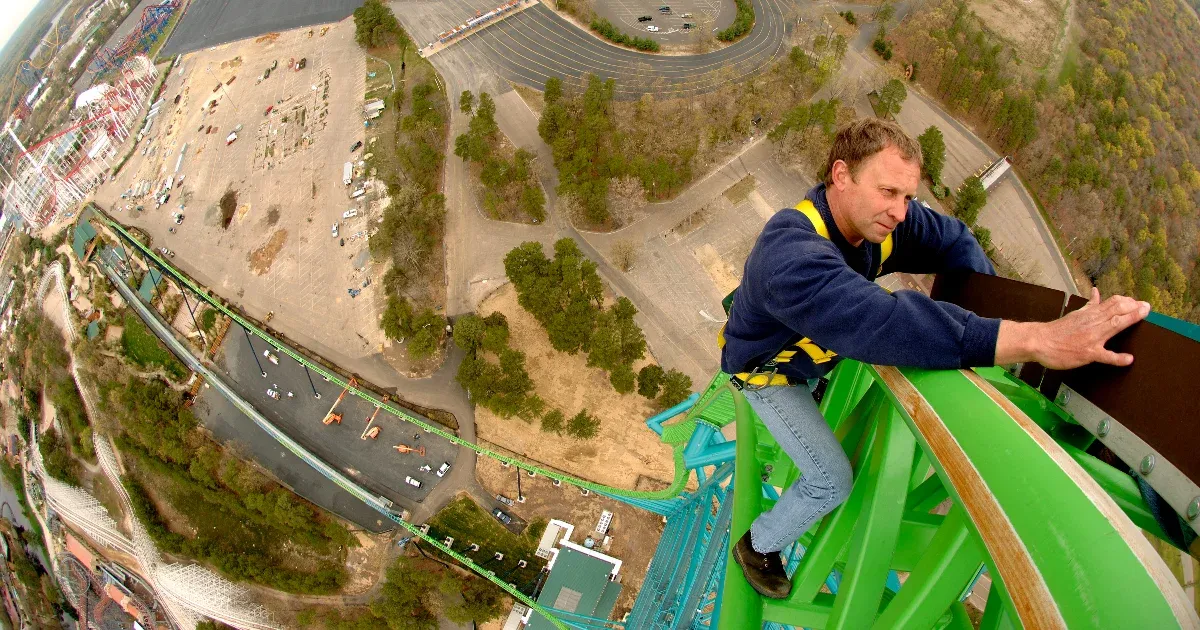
(185, 591)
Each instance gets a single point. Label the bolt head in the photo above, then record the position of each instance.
(1193, 509)
(1147, 465)
(1104, 427)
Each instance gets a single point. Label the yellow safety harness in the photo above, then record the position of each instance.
(766, 375)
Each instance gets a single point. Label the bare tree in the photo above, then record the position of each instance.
(624, 254)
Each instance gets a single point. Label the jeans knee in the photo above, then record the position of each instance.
(841, 479)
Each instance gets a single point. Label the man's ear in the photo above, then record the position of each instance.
(840, 174)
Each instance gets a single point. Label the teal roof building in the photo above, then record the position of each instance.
(583, 583)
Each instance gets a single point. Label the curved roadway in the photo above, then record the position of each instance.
(537, 44)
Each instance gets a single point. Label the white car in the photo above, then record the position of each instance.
(412, 482)
(445, 467)
(349, 214)
(652, 29)
(273, 394)
(335, 229)
(271, 357)
(425, 468)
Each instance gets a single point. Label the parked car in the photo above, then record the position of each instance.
(350, 214)
(652, 28)
(270, 356)
(335, 229)
(645, 18)
(273, 394)
(356, 146)
(373, 433)
(412, 482)
(178, 216)
(664, 9)
(687, 26)
(425, 468)
(686, 15)
(166, 252)
(503, 499)
(501, 516)
(443, 469)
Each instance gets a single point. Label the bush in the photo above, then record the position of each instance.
(650, 380)
(622, 379)
(617, 36)
(553, 422)
(583, 425)
(849, 17)
(677, 386)
(742, 23)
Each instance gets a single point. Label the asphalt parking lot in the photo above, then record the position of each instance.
(713, 15)
(209, 23)
(228, 424)
(373, 463)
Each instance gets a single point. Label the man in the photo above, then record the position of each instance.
(808, 298)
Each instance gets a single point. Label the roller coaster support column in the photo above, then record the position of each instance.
(192, 312)
(254, 353)
(316, 394)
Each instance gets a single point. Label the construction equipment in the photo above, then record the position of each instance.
(372, 433)
(404, 448)
(331, 417)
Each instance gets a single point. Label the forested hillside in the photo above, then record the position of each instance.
(1108, 144)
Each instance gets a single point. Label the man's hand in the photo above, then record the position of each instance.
(1075, 339)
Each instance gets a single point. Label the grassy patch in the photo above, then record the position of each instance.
(208, 319)
(738, 192)
(467, 523)
(145, 350)
(1070, 64)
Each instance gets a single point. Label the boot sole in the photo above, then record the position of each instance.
(737, 556)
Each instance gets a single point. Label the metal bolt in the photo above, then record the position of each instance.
(1104, 427)
(1064, 397)
(1147, 464)
(1193, 509)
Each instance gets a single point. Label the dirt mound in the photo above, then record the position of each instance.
(262, 258)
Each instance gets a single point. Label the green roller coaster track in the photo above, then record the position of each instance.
(956, 472)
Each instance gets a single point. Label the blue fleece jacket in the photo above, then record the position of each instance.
(798, 284)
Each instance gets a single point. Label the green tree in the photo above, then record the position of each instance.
(553, 422)
(466, 102)
(676, 387)
(933, 153)
(397, 318)
(471, 599)
(375, 25)
(623, 379)
(428, 329)
(401, 603)
(650, 380)
(971, 199)
(469, 331)
(884, 13)
(891, 97)
(583, 425)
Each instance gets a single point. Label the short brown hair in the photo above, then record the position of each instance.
(862, 138)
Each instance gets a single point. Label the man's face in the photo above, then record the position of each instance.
(876, 200)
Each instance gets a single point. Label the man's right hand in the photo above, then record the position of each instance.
(1074, 340)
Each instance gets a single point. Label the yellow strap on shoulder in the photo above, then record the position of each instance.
(814, 216)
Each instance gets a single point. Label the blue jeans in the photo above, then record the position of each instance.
(792, 417)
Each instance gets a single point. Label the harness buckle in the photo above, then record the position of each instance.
(758, 370)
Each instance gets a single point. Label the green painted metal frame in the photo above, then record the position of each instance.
(1094, 577)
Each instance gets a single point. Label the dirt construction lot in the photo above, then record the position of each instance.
(258, 213)
(624, 453)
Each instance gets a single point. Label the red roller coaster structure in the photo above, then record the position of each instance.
(147, 31)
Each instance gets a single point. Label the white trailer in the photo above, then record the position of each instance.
(348, 173)
(993, 173)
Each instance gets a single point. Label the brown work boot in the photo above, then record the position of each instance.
(764, 571)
